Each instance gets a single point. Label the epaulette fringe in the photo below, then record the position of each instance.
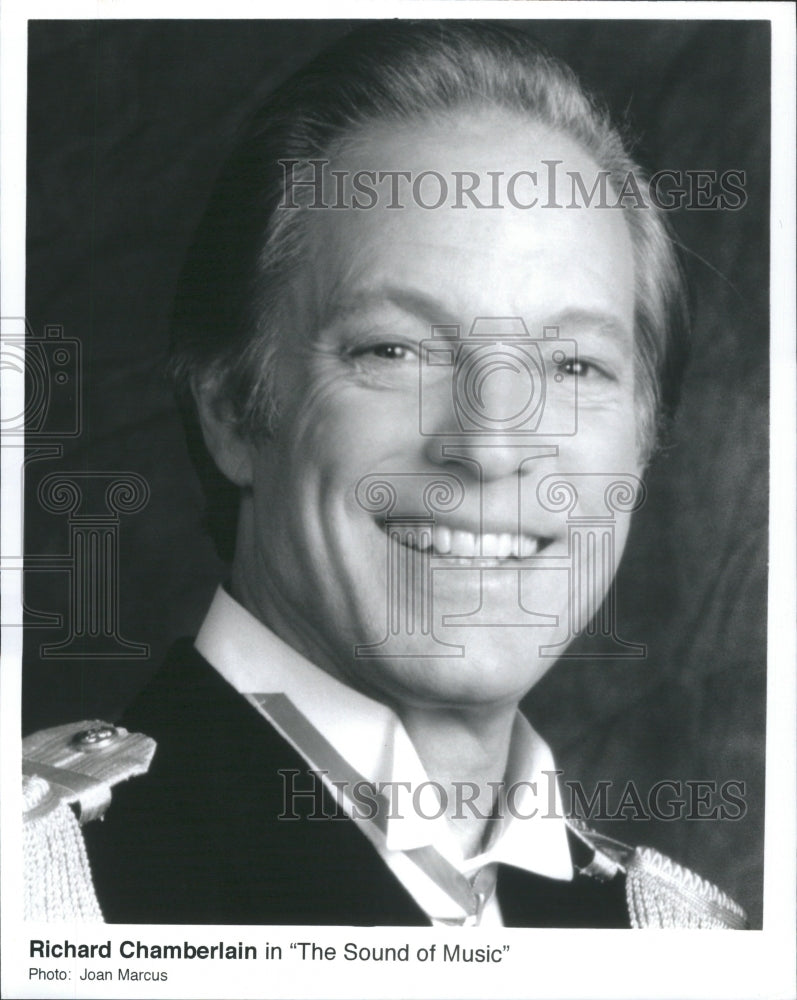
(659, 892)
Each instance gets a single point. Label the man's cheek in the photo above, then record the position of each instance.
(608, 446)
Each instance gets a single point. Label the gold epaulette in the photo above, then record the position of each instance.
(67, 776)
(659, 892)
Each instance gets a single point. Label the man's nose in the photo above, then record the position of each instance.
(493, 406)
(490, 457)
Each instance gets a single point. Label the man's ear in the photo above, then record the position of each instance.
(231, 451)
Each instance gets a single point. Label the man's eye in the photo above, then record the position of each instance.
(577, 367)
(390, 352)
(389, 359)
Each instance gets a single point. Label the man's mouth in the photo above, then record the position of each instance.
(458, 543)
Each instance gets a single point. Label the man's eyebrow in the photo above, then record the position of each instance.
(573, 321)
(414, 302)
(432, 311)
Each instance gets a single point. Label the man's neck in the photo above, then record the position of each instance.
(464, 749)
(466, 752)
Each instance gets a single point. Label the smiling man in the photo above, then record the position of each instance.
(426, 328)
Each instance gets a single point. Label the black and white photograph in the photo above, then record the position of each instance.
(396, 595)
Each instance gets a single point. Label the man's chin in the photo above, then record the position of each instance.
(471, 669)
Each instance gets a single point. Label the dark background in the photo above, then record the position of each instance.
(128, 123)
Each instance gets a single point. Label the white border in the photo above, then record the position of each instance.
(13, 121)
(781, 758)
(654, 10)
(541, 963)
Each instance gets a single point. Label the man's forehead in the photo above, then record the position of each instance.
(378, 240)
(448, 267)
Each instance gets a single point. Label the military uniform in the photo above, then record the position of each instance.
(198, 840)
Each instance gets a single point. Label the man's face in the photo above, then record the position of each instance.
(327, 565)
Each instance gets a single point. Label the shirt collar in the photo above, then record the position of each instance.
(372, 740)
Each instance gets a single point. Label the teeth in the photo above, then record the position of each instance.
(489, 546)
(463, 544)
(423, 540)
(467, 545)
(504, 545)
(442, 541)
(523, 546)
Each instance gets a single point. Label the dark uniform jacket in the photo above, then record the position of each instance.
(198, 839)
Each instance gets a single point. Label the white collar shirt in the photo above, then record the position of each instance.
(371, 739)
